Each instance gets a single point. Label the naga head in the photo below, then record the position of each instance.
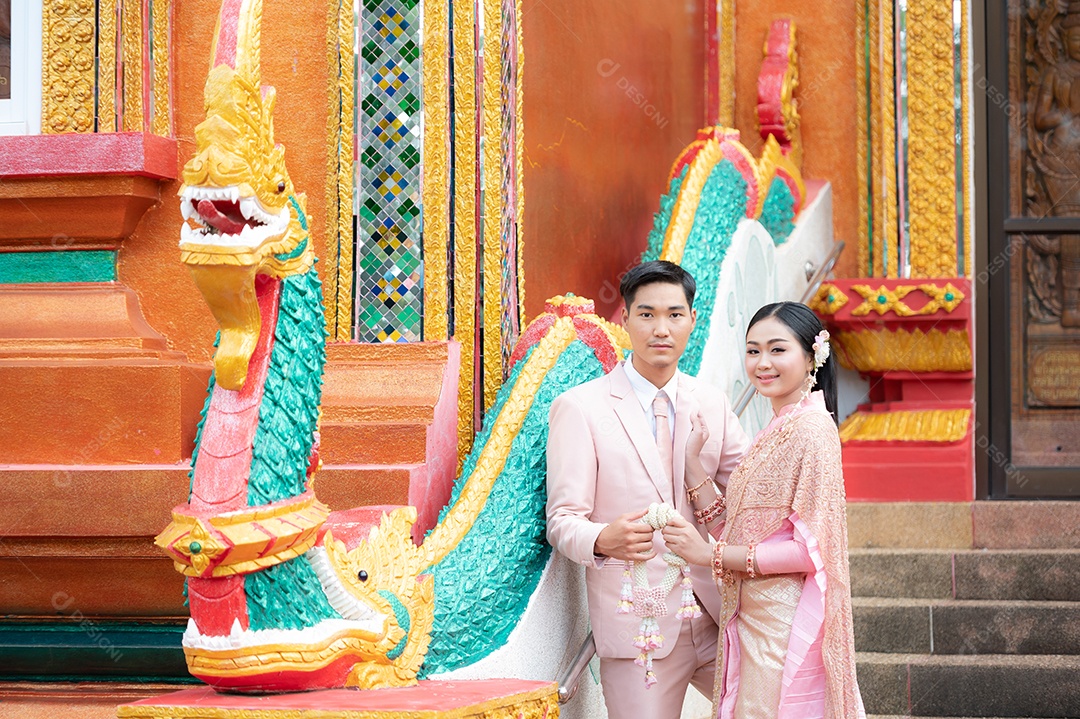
(371, 558)
(242, 217)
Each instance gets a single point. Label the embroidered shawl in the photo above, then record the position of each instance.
(795, 469)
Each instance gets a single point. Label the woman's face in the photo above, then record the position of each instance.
(776, 363)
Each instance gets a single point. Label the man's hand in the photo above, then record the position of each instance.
(682, 538)
(626, 538)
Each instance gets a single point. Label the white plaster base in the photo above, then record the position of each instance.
(754, 273)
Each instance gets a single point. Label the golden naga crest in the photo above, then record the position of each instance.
(242, 216)
(237, 199)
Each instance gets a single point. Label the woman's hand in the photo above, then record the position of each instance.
(699, 435)
(682, 538)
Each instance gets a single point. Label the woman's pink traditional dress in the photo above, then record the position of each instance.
(786, 644)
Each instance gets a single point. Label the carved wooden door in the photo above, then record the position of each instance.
(1033, 264)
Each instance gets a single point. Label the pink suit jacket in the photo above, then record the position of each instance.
(602, 462)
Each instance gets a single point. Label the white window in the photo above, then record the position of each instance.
(20, 67)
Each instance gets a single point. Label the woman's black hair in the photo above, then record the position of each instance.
(804, 324)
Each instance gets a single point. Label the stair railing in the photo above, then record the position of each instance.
(568, 684)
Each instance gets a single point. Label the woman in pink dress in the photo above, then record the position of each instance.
(780, 557)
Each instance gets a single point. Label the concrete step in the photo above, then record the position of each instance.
(996, 524)
(981, 685)
(387, 443)
(1037, 575)
(966, 626)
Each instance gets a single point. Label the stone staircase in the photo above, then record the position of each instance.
(389, 426)
(967, 609)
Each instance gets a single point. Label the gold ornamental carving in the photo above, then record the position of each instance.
(828, 300)
(519, 157)
(931, 155)
(131, 11)
(465, 216)
(245, 541)
(883, 300)
(934, 425)
(491, 372)
(884, 350)
(932, 138)
(108, 21)
(161, 38)
(535, 704)
(435, 69)
(69, 34)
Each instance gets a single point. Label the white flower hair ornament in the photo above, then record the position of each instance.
(821, 349)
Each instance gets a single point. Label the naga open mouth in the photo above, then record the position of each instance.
(223, 218)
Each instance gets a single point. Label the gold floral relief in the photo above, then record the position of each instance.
(935, 425)
(343, 298)
(335, 121)
(540, 703)
(828, 300)
(161, 38)
(131, 12)
(465, 218)
(902, 350)
(932, 138)
(435, 69)
(491, 369)
(931, 160)
(882, 299)
(69, 34)
(107, 24)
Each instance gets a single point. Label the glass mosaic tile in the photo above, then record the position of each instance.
(389, 280)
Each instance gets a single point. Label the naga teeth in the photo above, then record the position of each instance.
(248, 207)
(236, 633)
(186, 209)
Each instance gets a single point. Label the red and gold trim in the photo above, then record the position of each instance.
(242, 542)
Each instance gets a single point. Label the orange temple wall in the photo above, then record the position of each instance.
(827, 97)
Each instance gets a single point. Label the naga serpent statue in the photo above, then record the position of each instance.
(284, 595)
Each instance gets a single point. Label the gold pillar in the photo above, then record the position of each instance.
(931, 139)
(931, 160)
(132, 19)
(161, 38)
(68, 36)
(491, 370)
(435, 75)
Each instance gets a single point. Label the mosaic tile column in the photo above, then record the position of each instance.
(389, 290)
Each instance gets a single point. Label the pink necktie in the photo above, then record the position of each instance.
(663, 433)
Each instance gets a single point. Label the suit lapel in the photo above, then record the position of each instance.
(688, 404)
(629, 411)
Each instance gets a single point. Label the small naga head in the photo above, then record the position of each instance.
(242, 217)
(379, 565)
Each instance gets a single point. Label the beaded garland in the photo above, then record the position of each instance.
(651, 602)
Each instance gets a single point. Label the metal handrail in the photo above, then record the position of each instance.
(568, 685)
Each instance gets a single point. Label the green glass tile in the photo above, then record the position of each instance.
(61, 266)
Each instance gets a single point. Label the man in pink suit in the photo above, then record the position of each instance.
(616, 445)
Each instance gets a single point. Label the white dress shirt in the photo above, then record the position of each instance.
(646, 391)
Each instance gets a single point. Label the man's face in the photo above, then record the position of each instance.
(659, 322)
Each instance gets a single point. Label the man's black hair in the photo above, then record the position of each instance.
(649, 273)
